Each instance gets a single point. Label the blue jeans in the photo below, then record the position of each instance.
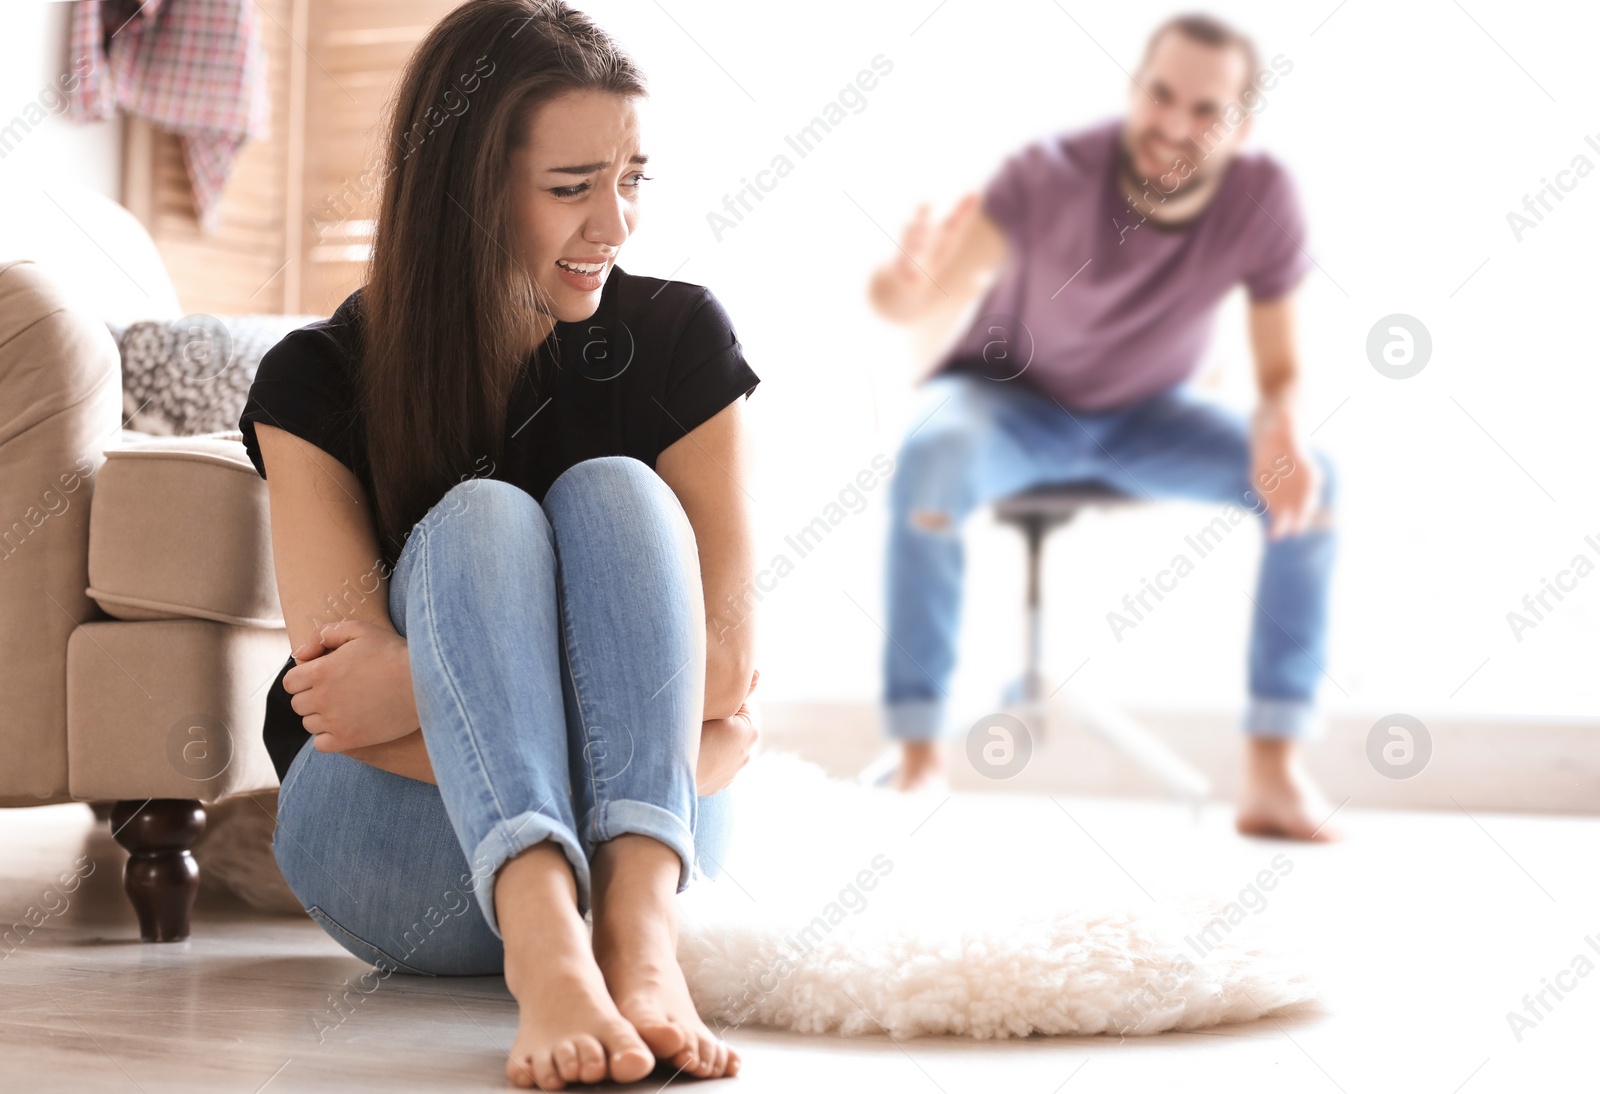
(976, 440)
(558, 659)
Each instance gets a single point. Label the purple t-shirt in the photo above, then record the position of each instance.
(1101, 308)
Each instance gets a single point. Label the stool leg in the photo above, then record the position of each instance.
(1033, 686)
(1028, 692)
(1104, 720)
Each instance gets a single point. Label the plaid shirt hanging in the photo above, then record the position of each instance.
(192, 67)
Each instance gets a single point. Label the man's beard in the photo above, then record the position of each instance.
(1196, 177)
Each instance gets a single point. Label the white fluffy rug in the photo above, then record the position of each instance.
(849, 909)
(853, 910)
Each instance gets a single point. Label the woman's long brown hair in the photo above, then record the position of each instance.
(449, 313)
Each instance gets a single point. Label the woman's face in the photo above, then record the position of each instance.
(575, 187)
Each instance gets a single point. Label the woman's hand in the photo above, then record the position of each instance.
(726, 744)
(352, 686)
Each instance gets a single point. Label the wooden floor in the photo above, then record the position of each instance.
(1425, 929)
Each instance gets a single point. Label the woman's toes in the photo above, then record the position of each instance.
(531, 1070)
(687, 1059)
(733, 1063)
(591, 1060)
(666, 1039)
(708, 1055)
(544, 1072)
(565, 1055)
(631, 1058)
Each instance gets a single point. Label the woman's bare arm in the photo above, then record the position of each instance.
(328, 565)
(326, 555)
(708, 470)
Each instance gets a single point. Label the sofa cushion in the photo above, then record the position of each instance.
(179, 530)
(170, 708)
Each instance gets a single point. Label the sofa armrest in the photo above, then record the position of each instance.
(60, 405)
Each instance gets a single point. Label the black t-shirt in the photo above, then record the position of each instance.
(656, 359)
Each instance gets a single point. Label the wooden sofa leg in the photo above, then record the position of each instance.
(162, 877)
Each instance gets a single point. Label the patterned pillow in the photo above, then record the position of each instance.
(192, 375)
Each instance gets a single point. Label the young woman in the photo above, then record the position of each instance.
(506, 482)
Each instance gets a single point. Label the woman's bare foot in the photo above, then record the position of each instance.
(1279, 799)
(636, 946)
(568, 1029)
(922, 767)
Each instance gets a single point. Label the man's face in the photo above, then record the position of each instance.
(1185, 119)
(575, 187)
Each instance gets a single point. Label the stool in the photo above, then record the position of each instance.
(1037, 512)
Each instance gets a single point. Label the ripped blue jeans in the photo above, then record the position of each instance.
(974, 440)
(557, 655)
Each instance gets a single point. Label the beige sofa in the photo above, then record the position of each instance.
(139, 620)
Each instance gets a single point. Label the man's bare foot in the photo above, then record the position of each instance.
(922, 766)
(568, 1028)
(636, 947)
(1278, 798)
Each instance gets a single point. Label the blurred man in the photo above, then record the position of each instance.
(1113, 246)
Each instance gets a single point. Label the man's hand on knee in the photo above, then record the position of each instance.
(1284, 474)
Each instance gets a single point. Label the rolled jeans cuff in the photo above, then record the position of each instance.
(508, 839)
(1282, 719)
(611, 819)
(915, 720)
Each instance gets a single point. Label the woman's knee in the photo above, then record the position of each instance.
(614, 485)
(477, 512)
(486, 518)
(606, 474)
(484, 505)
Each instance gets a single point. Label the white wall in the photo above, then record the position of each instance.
(1412, 133)
(39, 144)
